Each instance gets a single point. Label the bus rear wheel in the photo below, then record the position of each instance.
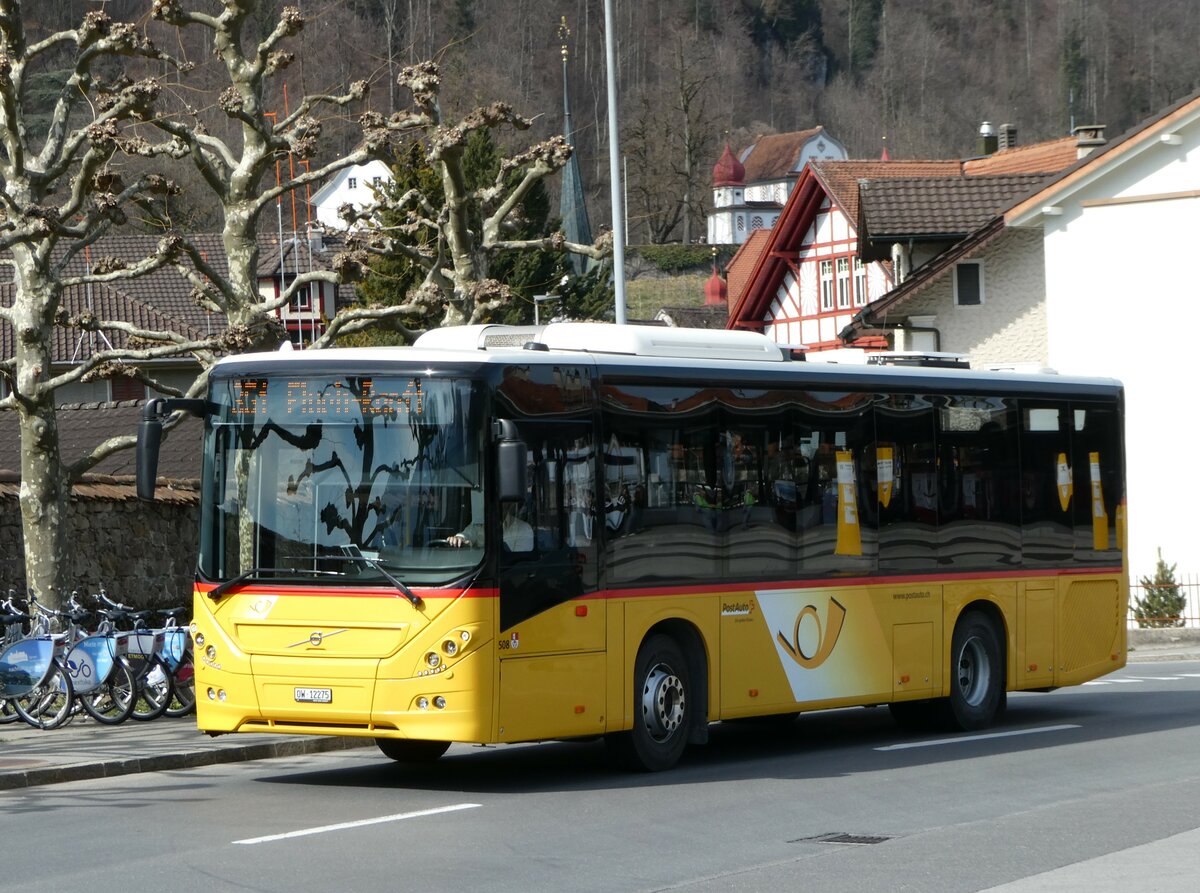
(406, 750)
(662, 708)
(977, 684)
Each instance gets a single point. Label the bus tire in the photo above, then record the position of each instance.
(408, 750)
(977, 685)
(662, 708)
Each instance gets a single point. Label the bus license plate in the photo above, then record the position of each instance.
(314, 695)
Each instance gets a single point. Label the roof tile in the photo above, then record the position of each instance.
(840, 178)
(774, 157)
(941, 206)
(1048, 157)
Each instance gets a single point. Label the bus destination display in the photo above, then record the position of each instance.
(254, 397)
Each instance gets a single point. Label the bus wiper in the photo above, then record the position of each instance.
(355, 555)
(252, 573)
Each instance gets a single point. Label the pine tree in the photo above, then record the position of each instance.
(527, 271)
(1164, 601)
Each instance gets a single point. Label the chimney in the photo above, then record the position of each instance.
(987, 138)
(1008, 136)
(316, 238)
(1087, 138)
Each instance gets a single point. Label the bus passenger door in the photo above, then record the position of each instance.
(552, 632)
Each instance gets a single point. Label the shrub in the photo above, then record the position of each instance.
(1163, 602)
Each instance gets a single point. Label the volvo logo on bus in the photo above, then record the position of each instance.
(316, 638)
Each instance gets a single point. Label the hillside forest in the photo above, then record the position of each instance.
(918, 76)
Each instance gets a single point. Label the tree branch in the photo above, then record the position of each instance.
(360, 319)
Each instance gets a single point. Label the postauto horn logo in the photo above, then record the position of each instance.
(826, 638)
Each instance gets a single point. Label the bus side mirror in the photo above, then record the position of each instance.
(512, 456)
(149, 437)
(511, 459)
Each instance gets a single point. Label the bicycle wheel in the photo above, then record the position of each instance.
(112, 702)
(49, 705)
(8, 712)
(154, 691)
(183, 688)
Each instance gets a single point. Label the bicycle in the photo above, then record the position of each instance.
(33, 676)
(104, 682)
(177, 651)
(13, 622)
(153, 685)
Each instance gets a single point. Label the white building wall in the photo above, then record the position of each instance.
(1010, 325)
(1120, 298)
(338, 192)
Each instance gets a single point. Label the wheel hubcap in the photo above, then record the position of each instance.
(974, 672)
(663, 701)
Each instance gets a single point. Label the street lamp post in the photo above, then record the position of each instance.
(538, 300)
(614, 165)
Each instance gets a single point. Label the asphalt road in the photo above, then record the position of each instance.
(1091, 788)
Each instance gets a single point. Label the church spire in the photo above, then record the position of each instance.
(571, 207)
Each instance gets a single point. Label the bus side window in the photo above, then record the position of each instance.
(978, 504)
(836, 506)
(1047, 485)
(1096, 466)
(908, 520)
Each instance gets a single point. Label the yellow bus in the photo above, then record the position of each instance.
(517, 534)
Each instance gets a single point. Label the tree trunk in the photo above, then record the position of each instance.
(45, 491)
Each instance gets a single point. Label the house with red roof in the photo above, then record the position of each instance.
(751, 187)
(852, 232)
(806, 277)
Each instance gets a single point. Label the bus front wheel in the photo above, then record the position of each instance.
(977, 684)
(406, 750)
(662, 708)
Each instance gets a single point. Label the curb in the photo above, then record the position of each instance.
(111, 768)
(1134, 656)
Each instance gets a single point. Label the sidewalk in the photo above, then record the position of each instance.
(1147, 645)
(86, 749)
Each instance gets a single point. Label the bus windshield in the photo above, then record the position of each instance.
(339, 479)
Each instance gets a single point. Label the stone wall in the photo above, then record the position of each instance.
(143, 554)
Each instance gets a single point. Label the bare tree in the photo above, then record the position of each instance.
(62, 190)
(236, 170)
(456, 288)
(668, 139)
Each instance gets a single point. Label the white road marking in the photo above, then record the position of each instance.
(965, 738)
(341, 826)
(1160, 678)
